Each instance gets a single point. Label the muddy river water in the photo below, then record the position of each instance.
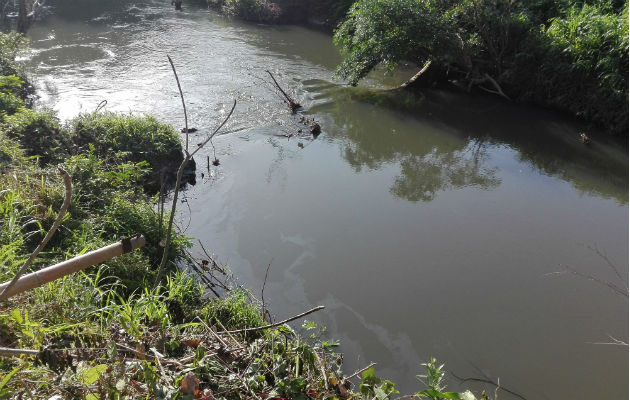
(428, 225)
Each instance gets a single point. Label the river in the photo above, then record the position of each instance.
(431, 225)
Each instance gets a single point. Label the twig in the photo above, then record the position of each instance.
(259, 328)
(180, 172)
(462, 380)
(262, 292)
(361, 370)
(181, 94)
(67, 180)
(294, 105)
(615, 342)
(610, 285)
(215, 131)
(610, 264)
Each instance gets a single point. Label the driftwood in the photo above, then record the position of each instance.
(414, 78)
(49, 274)
(260, 328)
(67, 180)
(293, 105)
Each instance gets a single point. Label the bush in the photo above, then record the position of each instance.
(11, 44)
(39, 134)
(387, 31)
(129, 138)
(587, 60)
(250, 10)
(576, 61)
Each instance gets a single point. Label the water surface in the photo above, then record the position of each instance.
(428, 225)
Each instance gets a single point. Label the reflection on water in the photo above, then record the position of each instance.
(426, 224)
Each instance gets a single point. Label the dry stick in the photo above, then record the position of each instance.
(262, 292)
(610, 264)
(361, 370)
(462, 380)
(260, 328)
(417, 75)
(610, 285)
(181, 94)
(292, 103)
(67, 180)
(494, 83)
(180, 172)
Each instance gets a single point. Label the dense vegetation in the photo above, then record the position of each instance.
(571, 55)
(110, 332)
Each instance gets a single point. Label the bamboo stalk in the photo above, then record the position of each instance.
(49, 274)
(7, 352)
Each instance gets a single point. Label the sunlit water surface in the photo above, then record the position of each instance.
(428, 226)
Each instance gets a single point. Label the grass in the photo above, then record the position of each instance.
(107, 332)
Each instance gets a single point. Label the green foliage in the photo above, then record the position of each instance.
(387, 31)
(39, 133)
(250, 10)
(129, 138)
(234, 312)
(569, 54)
(11, 44)
(588, 59)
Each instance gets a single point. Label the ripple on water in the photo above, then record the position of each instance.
(71, 55)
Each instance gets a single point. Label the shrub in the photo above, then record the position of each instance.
(252, 10)
(131, 139)
(11, 44)
(588, 61)
(39, 134)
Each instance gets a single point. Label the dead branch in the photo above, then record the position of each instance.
(610, 264)
(293, 105)
(494, 83)
(361, 370)
(180, 172)
(67, 180)
(610, 285)
(417, 75)
(260, 328)
(181, 95)
(462, 380)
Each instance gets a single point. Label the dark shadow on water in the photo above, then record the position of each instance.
(441, 139)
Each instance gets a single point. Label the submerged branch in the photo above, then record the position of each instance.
(260, 328)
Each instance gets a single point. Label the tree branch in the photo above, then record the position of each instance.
(260, 328)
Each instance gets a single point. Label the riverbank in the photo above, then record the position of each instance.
(110, 331)
(564, 55)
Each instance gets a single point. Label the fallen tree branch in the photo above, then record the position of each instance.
(67, 180)
(494, 83)
(260, 328)
(180, 172)
(361, 370)
(293, 105)
(610, 285)
(417, 75)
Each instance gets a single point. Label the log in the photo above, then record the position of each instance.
(49, 274)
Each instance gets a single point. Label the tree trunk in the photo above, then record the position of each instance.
(22, 23)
